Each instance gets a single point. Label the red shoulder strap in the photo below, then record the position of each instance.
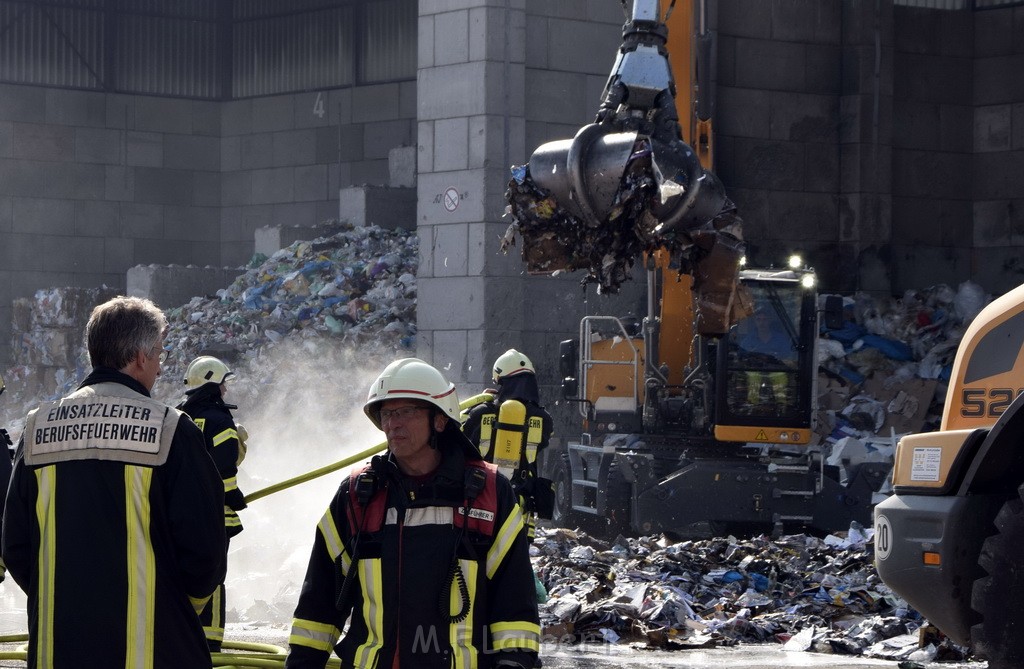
(483, 510)
(374, 510)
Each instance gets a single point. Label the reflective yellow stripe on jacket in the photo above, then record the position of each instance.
(229, 433)
(141, 568)
(372, 586)
(519, 635)
(310, 633)
(198, 603)
(503, 540)
(332, 539)
(46, 481)
(231, 518)
(215, 630)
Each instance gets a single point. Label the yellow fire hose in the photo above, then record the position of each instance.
(352, 459)
(252, 655)
(258, 654)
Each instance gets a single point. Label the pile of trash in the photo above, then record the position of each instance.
(809, 594)
(355, 289)
(333, 299)
(885, 372)
(47, 346)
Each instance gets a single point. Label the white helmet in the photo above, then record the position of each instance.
(510, 363)
(206, 369)
(414, 379)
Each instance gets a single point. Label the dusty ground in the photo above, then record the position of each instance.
(601, 656)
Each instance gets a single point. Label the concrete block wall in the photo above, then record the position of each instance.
(92, 184)
(778, 118)
(381, 205)
(495, 82)
(470, 122)
(570, 49)
(883, 141)
(932, 153)
(284, 158)
(174, 285)
(997, 259)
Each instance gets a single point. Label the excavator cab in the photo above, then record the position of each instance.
(766, 365)
(755, 384)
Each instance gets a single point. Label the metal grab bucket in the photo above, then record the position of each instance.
(583, 173)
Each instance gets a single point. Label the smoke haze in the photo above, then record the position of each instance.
(301, 403)
(302, 406)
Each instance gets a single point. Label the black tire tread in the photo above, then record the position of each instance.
(567, 518)
(999, 637)
(619, 493)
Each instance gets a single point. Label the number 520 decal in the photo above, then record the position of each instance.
(987, 402)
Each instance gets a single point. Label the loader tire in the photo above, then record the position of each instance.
(562, 514)
(999, 637)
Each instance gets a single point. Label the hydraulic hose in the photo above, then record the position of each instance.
(352, 459)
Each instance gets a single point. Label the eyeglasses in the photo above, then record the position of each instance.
(162, 355)
(401, 413)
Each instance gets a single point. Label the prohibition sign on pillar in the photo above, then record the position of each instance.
(451, 199)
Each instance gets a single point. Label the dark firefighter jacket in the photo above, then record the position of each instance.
(213, 416)
(402, 572)
(5, 477)
(113, 529)
(480, 427)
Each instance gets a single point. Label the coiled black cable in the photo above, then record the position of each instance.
(455, 574)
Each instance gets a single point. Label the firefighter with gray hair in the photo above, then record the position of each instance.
(114, 525)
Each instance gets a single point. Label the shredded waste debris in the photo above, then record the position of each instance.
(355, 289)
(555, 239)
(807, 593)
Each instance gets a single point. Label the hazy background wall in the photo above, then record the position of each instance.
(885, 141)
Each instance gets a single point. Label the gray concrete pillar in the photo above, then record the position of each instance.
(470, 99)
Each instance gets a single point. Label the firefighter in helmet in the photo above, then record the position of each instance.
(113, 523)
(511, 429)
(206, 379)
(424, 547)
